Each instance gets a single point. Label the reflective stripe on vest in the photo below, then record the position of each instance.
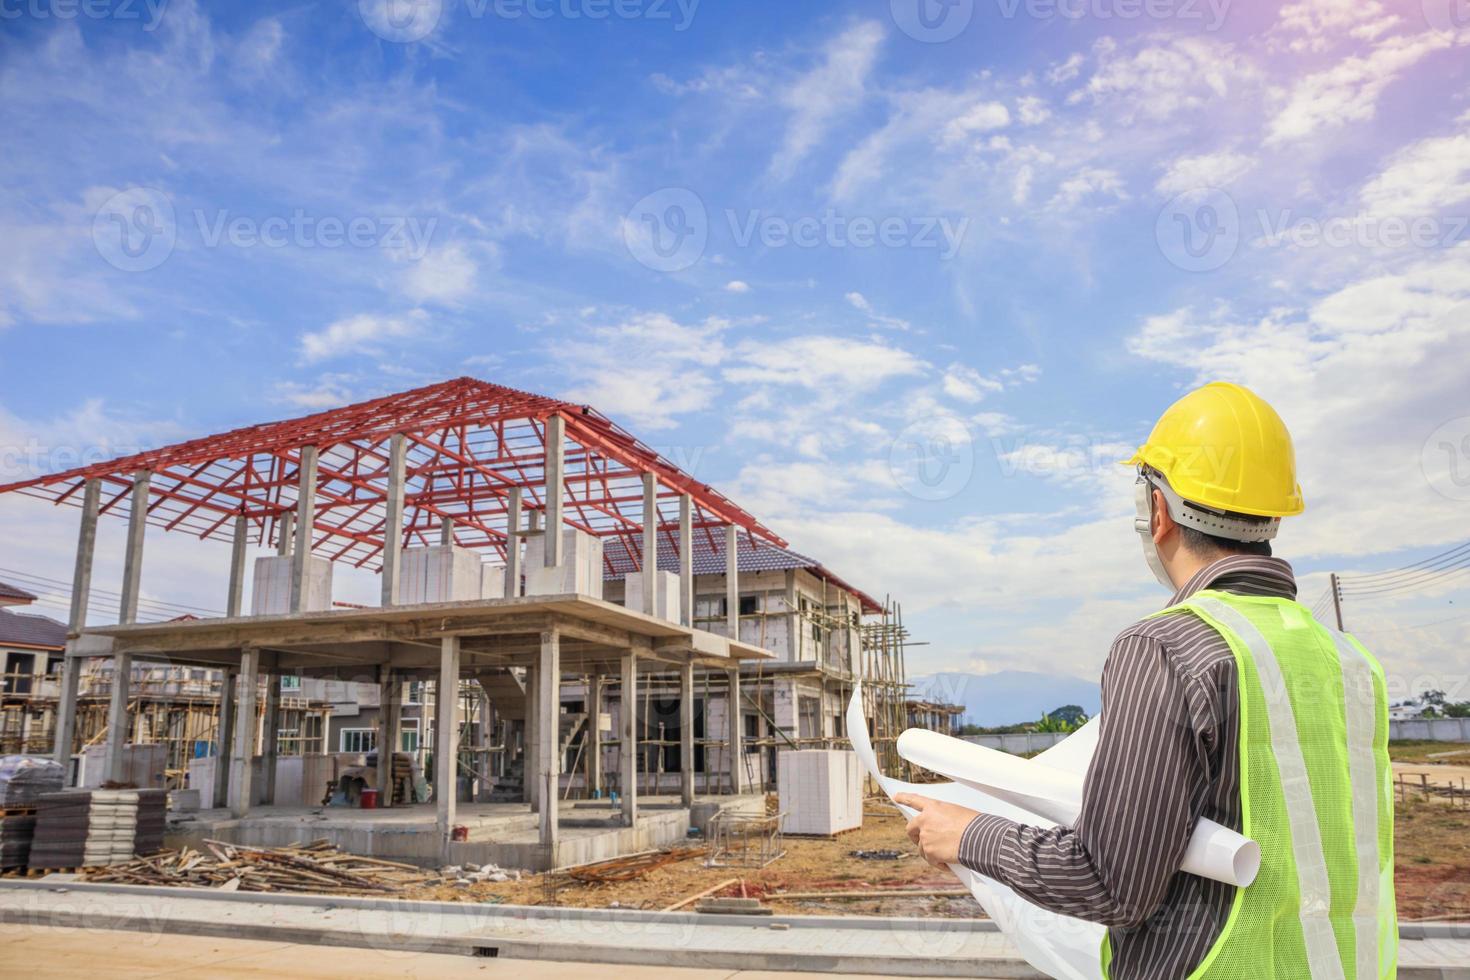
(1362, 716)
(1306, 836)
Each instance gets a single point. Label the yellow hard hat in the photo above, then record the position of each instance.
(1223, 447)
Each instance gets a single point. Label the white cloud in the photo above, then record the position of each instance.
(1032, 110)
(1206, 170)
(1423, 178)
(1088, 184)
(648, 369)
(1065, 71)
(445, 275)
(822, 95)
(821, 361)
(737, 286)
(1313, 25)
(1349, 90)
(360, 334)
(859, 301)
(966, 384)
(1166, 77)
(982, 117)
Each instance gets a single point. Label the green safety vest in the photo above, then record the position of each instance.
(1316, 795)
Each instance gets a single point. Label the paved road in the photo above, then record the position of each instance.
(46, 952)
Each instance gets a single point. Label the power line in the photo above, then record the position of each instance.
(1444, 559)
(102, 598)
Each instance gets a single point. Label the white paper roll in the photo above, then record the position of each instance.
(1042, 787)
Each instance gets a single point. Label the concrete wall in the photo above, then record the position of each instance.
(1431, 729)
(1018, 744)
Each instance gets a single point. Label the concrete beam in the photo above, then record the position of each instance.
(133, 558)
(241, 770)
(628, 772)
(732, 581)
(225, 737)
(556, 429)
(305, 524)
(118, 718)
(686, 734)
(513, 544)
(686, 559)
(239, 542)
(393, 518)
(81, 588)
(548, 734)
(446, 738)
(737, 730)
(650, 544)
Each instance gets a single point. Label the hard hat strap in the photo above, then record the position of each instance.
(1216, 523)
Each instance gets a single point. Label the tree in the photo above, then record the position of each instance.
(1072, 714)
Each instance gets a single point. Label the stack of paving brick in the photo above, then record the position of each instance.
(152, 816)
(23, 779)
(85, 828)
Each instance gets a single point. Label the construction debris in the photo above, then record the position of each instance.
(317, 868)
(631, 867)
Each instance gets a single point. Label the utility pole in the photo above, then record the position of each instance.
(1337, 601)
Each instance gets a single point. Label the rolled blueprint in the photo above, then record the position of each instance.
(1051, 786)
(1057, 945)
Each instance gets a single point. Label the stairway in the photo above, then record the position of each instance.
(506, 690)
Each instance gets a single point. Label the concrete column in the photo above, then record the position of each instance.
(686, 734)
(594, 735)
(686, 559)
(241, 768)
(118, 718)
(393, 518)
(483, 754)
(530, 743)
(732, 582)
(446, 531)
(387, 733)
(628, 771)
(446, 737)
(225, 737)
(270, 736)
(133, 558)
(236, 597)
(555, 478)
(548, 756)
(305, 523)
(513, 544)
(285, 533)
(737, 730)
(650, 544)
(71, 665)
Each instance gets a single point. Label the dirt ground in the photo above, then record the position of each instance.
(1422, 752)
(1432, 880)
(809, 865)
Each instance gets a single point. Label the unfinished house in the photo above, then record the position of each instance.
(937, 716)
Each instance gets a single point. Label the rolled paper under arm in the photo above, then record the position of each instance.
(1214, 851)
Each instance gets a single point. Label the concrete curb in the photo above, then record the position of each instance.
(499, 925)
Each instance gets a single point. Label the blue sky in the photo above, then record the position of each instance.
(815, 253)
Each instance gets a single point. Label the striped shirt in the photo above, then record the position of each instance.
(1167, 756)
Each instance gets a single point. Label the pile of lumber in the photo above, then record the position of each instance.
(317, 868)
(631, 867)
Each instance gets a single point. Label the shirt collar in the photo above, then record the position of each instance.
(1274, 576)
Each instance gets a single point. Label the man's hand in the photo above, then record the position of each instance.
(936, 828)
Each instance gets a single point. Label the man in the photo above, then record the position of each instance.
(1232, 704)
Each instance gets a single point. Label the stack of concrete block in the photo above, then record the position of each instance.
(580, 571)
(272, 592)
(821, 791)
(492, 582)
(666, 603)
(438, 573)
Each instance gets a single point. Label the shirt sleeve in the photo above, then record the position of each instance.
(1141, 799)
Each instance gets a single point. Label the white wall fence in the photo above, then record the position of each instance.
(1018, 744)
(1431, 729)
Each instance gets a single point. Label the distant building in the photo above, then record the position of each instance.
(936, 716)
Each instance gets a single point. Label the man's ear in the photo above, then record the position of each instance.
(1161, 522)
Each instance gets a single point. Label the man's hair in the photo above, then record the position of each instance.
(1208, 545)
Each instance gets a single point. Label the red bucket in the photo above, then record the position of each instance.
(368, 800)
